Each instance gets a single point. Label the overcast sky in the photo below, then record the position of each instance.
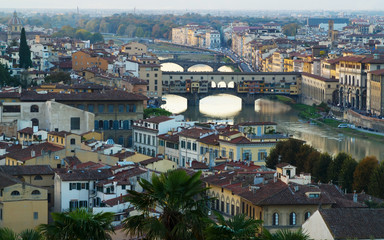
(201, 4)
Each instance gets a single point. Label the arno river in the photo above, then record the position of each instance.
(228, 109)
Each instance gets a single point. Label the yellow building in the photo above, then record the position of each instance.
(149, 70)
(317, 89)
(92, 135)
(252, 147)
(25, 136)
(22, 206)
(65, 139)
(158, 164)
(288, 65)
(223, 193)
(38, 175)
(37, 154)
(375, 93)
(134, 48)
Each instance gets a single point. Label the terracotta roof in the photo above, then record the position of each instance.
(281, 165)
(7, 180)
(27, 170)
(106, 95)
(27, 130)
(72, 161)
(194, 132)
(115, 201)
(89, 165)
(158, 119)
(38, 149)
(199, 165)
(377, 72)
(354, 223)
(149, 161)
(170, 138)
(60, 134)
(210, 139)
(124, 155)
(319, 77)
(83, 175)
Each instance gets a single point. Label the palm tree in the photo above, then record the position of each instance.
(285, 234)
(79, 224)
(239, 227)
(28, 234)
(172, 207)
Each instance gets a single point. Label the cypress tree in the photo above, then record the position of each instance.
(24, 52)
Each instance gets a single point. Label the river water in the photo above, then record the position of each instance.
(224, 108)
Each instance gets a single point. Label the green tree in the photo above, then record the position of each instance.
(285, 234)
(181, 203)
(78, 224)
(150, 112)
(28, 234)
(290, 29)
(284, 151)
(321, 167)
(97, 38)
(5, 77)
(335, 166)
(363, 172)
(346, 174)
(376, 186)
(24, 52)
(240, 227)
(56, 77)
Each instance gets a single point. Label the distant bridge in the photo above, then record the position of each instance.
(187, 64)
(246, 98)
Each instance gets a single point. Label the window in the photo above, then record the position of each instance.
(189, 145)
(306, 215)
(34, 108)
(182, 144)
(72, 186)
(35, 215)
(38, 177)
(91, 108)
(73, 204)
(36, 192)
(194, 146)
(83, 204)
(275, 219)
(101, 108)
(292, 218)
(15, 193)
(121, 108)
(73, 141)
(110, 108)
(11, 108)
(75, 123)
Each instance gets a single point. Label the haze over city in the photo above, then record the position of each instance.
(201, 4)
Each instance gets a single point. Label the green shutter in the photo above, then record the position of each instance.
(87, 186)
(78, 186)
(70, 186)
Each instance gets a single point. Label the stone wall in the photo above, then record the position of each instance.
(9, 128)
(364, 121)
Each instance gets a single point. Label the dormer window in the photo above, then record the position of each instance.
(313, 195)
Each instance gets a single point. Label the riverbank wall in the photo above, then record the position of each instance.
(364, 121)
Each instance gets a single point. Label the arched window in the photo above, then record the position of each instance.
(275, 219)
(292, 218)
(35, 192)
(101, 124)
(73, 141)
(35, 122)
(144, 151)
(34, 108)
(110, 124)
(15, 193)
(307, 215)
(38, 177)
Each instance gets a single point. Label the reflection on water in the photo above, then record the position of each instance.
(220, 106)
(229, 108)
(271, 107)
(175, 104)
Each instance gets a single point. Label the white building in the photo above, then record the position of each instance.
(145, 132)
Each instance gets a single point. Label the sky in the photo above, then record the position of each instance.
(200, 4)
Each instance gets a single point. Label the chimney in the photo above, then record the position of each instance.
(354, 196)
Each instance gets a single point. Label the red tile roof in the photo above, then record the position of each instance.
(194, 132)
(27, 130)
(158, 119)
(33, 151)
